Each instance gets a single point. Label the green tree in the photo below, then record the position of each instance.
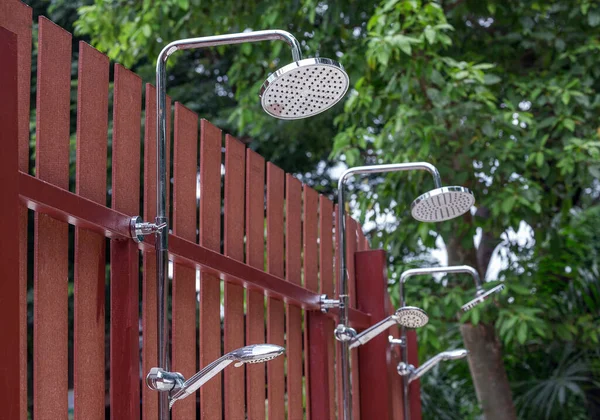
(501, 96)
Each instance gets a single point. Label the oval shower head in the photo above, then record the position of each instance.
(411, 317)
(481, 297)
(304, 88)
(257, 353)
(443, 203)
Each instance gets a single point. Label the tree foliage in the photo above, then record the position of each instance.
(503, 97)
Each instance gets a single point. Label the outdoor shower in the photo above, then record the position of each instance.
(407, 371)
(297, 90)
(442, 203)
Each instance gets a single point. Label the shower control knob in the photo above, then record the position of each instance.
(395, 341)
(161, 380)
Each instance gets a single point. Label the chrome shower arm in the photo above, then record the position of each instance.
(373, 331)
(203, 376)
(433, 270)
(392, 167)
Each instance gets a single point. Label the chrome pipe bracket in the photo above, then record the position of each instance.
(164, 381)
(327, 304)
(405, 369)
(139, 228)
(344, 333)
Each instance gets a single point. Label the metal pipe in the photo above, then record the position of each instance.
(162, 253)
(344, 333)
(415, 272)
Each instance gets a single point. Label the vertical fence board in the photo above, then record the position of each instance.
(235, 173)
(371, 287)
(89, 305)
(149, 311)
(210, 290)
(315, 344)
(326, 287)
(351, 244)
(255, 251)
(124, 270)
(294, 314)
(16, 17)
(184, 278)
(51, 236)
(275, 308)
(414, 389)
(10, 398)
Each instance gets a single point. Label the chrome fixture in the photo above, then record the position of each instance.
(409, 373)
(440, 204)
(480, 295)
(311, 86)
(408, 316)
(257, 353)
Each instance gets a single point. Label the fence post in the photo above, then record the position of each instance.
(9, 241)
(371, 294)
(319, 329)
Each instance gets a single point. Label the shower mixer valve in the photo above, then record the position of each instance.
(139, 228)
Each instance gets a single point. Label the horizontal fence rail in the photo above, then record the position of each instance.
(252, 250)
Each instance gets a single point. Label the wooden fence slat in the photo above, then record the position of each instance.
(235, 164)
(10, 391)
(50, 345)
(90, 259)
(351, 248)
(371, 285)
(184, 278)
(326, 287)
(294, 314)
(315, 349)
(210, 288)
(124, 278)
(149, 312)
(16, 17)
(255, 302)
(275, 307)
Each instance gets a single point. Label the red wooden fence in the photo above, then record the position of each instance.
(292, 222)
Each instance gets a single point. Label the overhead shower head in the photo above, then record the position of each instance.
(443, 203)
(482, 296)
(304, 88)
(411, 317)
(405, 369)
(256, 353)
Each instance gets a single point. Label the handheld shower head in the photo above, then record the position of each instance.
(407, 316)
(405, 369)
(256, 353)
(482, 296)
(443, 203)
(304, 88)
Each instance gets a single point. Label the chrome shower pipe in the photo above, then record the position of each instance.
(160, 227)
(420, 271)
(343, 332)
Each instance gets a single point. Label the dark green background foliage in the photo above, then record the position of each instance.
(502, 96)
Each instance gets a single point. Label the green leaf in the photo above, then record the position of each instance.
(430, 34)
(539, 159)
(565, 97)
(461, 75)
(569, 124)
(522, 333)
(491, 79)
(508, 204)
(594, 18)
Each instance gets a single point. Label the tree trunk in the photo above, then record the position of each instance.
(487, 370)
(485, 351)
